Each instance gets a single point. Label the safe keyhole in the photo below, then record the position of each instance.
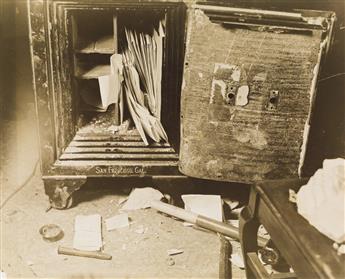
(273, 100)
(231, 95)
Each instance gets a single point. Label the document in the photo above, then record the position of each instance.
(88, 233)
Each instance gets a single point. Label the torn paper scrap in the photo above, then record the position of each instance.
(117, 222)
(107, 87)
(87, 232)
(237, 260)
(206, 205)
(321, 201)
(141, 198)
(172, 252)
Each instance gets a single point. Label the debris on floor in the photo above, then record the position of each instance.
(340, 248)
(79, 253)
(88, 232)
(292, 196)
(263, 232)
(207, 205)
(117, 222)
(170, 261)
(51, 233)
(140, 198)
(174, 251)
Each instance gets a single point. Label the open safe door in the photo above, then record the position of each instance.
(249, 85)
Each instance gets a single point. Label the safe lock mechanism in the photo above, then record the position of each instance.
(272, 103)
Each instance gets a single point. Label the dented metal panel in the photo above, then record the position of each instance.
(246, 95)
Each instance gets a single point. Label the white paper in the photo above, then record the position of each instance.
(237, 260)
(141, 198)
(321, 201)
(108, 86)
(206, 205)
(87, 232)
(117, 222)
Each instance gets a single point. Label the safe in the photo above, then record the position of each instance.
(237, 91)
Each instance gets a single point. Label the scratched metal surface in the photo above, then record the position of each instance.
(242, 137)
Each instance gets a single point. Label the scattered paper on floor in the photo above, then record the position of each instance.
(88, 232)
(117, 222)
(141, 198)
(207, 205)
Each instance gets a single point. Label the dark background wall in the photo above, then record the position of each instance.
(327, 131)
(15, 78)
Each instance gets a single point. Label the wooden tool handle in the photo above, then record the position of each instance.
(175, 211)
(80, 253)
(202, 221)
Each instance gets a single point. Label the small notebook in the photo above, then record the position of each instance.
(88, 232)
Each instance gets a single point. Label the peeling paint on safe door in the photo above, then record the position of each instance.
(242, 96)
(254, 137)
(225, 81)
